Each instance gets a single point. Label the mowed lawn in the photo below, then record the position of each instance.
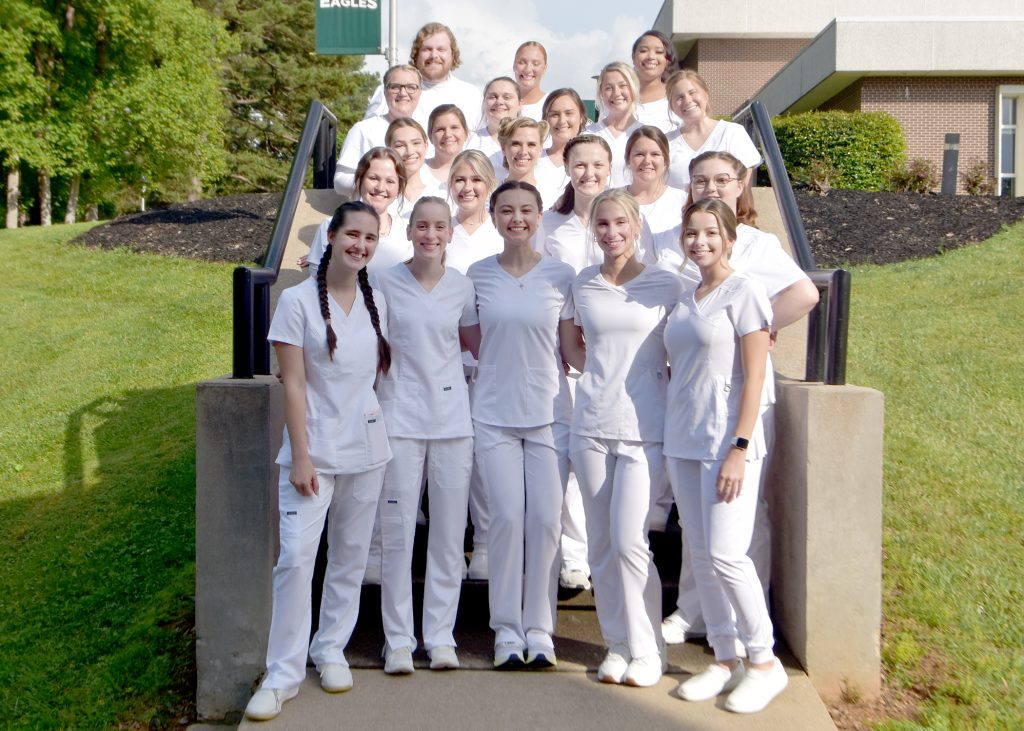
(97, 458)
(97, 455)
(943, 338)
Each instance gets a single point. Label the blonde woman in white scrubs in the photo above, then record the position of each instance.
(402, 92)
(698, 131)
(654, 58)
(521, 412)
(529, 67)
(522, 144)
(717, 340)
(380, 181)
(617, 93)
(330, 337)
(616, 340)
(501, 102)
(426, 409)
(566, 237)
(718, 175)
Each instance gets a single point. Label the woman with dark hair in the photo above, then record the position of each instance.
(448, 133)
(566, 116)
(407, 138)
(660, 204)
(329, 333)
(521, 411)
(654, 58)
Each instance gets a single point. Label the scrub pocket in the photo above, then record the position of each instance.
(376, 437)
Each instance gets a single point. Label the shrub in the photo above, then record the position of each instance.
(862, 147)
(976, 179)
(917, 176)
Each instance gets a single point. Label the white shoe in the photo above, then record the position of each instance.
(613, 667)
(443, 657)
(757, 689)
(374, 572)
(741, 649)
(644, 671)
(478, 565)
(336, 678)
(714, 680)
(673, 629)
(508, 656)
(574, 579)
(266, 703)
(541, 658)
(398, 661)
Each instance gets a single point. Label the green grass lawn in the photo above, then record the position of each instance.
(943, 338)
(97, 456)
(97, 459)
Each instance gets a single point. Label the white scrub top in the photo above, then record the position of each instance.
(535, 110)
(391, 249)
(661, 224)
(466, 249)
(621, 394)
(551, 180)
(424, 395)
(361, 138)
(564, 237)
(344, 424)
(488, 144)
(520, 380)
(703, 343)
(449, 91)
(657, 114)
(725, 137)
(618, 145)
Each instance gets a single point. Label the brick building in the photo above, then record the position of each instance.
(937, 67)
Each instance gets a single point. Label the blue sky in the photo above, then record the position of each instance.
(580, 37)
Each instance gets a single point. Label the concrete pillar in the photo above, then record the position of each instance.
(825, 491)
(238, 433)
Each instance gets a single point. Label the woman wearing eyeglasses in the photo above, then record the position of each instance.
(700, 132)
(402, 94)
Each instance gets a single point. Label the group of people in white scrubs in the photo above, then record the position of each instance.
(557, 329)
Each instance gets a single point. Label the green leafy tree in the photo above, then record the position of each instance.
(268, 85)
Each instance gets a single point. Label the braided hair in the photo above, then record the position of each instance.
(383, 348)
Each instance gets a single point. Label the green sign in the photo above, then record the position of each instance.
(347, 27)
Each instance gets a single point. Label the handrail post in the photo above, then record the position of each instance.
(261, 326)
(324, 155)
(838, 327)
(816, 334)
(242, 357)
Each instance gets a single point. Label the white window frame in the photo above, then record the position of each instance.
(1013, 91)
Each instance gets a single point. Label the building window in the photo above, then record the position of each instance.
(1010, 141)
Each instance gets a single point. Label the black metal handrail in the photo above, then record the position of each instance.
(251, 285)
(829, 322)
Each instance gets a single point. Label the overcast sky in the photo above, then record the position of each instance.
(580, 36)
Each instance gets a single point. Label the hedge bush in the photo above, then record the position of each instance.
(863, 147)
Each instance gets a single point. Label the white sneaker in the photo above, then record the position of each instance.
(757, 689)
(673, 629)
(266, 703)
(336, 678)
(443, 657)
(713, 680)
(574, 579)
(478, 565)
(541, 658)
(398, 661)
(644, 671)
(508, 656)
(613, 667)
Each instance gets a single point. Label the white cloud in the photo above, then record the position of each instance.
(488, 33)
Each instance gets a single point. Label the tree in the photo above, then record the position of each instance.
(126, 92)
(269, 82)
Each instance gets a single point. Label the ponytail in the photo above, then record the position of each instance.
(383, 348)
(321, 290)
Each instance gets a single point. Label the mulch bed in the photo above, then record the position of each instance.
(844, 227)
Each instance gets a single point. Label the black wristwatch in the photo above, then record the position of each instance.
(740, 443)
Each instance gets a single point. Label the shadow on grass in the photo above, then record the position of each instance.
(99, 615)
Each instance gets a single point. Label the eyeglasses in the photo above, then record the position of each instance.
(701, 182)
(409, 89)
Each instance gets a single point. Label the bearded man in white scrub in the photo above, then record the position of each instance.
(435, 53)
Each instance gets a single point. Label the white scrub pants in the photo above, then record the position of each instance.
(574, 522)
(687, 602)
(448, 464)
(523, 475)
(615, 480)
(478, 513)
(352, 500)
(718, 536)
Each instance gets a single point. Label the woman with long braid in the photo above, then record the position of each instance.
(331, 341)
